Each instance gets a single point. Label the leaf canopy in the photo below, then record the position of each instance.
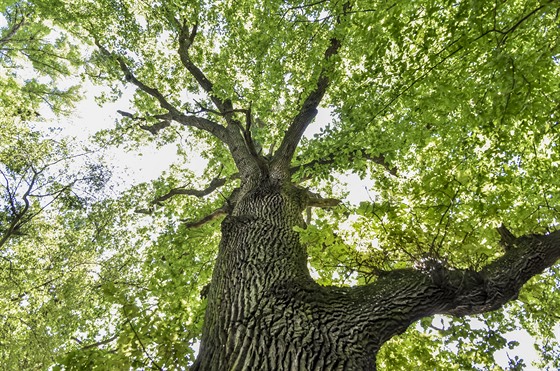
(446, 111)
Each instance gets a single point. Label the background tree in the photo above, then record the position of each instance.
(446, 110)
(47, 186)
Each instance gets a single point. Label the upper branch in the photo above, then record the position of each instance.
(129, 76)
(186, 38)
(19, 217)
(331, 159)
(525, 257)
(315, 200)
(308, 109)
(306, 114)
(240, 149)
(224, 210)
(164, 121)
(173, 113)
(214, 184)
(13, 30)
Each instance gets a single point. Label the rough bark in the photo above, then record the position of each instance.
(264, 310)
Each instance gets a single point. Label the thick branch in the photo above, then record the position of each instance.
(507, 238)
(214, 184)
(241, 146)
(186, 38)
(11, 33)
(404, 296)
(129, 76)
(19, 217)
(315, 200)
(154, 128)
(208, 218)
(307, 112)
(218, 182)
(231, 136)
(525, 258)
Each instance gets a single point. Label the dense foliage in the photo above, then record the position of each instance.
(445, 111)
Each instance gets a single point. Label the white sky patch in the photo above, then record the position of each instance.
(313, 273)
(322, 119)
(144, 164)
(360, 189)
(525, 349)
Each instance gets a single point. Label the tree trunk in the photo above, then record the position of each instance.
(264, 310)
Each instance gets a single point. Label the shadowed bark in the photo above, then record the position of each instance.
(266, 312)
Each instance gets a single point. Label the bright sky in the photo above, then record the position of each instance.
(144, 164)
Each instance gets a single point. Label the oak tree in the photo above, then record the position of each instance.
(447, 112)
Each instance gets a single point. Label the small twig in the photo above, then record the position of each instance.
(330, 159)
(144, 348)
(102, 342)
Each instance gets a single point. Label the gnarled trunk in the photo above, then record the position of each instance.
(264, 310)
